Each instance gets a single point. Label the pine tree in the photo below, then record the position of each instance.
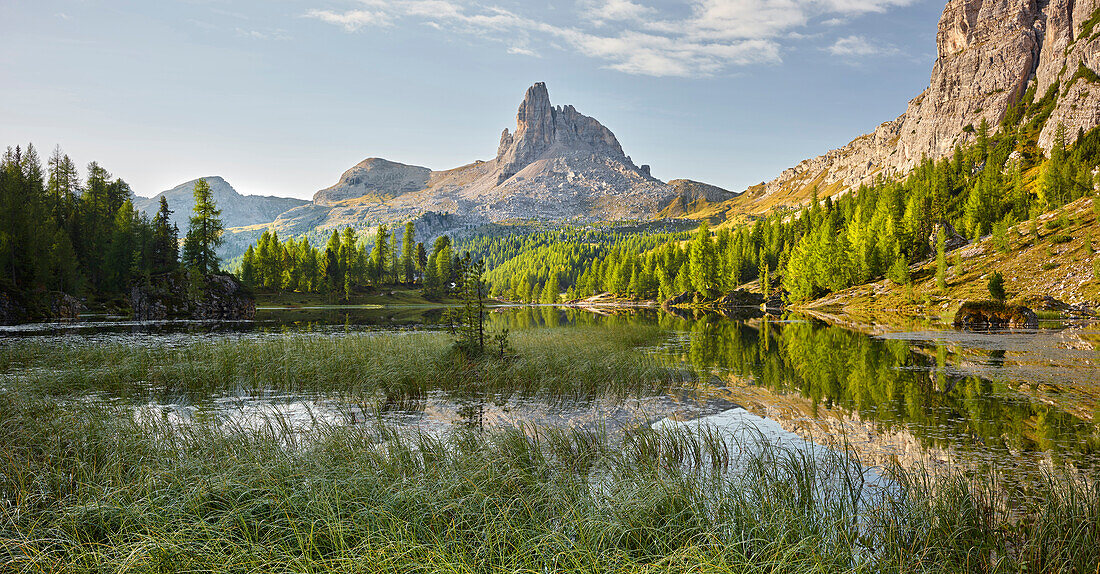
(704, 268)
(997, 286)
(205, 233)
(165, 240)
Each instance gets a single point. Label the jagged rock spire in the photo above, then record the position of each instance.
(541, 127)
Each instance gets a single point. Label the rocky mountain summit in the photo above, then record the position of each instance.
(376, 177)
(990, 52)
(237, 210)
(557, 165)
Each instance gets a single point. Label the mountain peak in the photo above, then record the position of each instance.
(542, 128)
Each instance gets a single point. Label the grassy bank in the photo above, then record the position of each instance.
(393, 296)
(90, 489)
(570, 361)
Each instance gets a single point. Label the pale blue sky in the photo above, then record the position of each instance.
(281, 96)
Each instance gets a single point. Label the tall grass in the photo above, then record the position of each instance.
(89, 488)
(575, 361)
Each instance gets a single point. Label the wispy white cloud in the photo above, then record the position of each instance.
(262, 35)
(351, 20)
(858, 47)
(705, 37)
(602, 12)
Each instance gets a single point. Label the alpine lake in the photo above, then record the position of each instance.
(1005, 410)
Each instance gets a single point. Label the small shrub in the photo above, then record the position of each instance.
(1049, 265)
(997, 286)
(1060, 238)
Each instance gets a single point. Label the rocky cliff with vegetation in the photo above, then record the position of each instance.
(994, 58)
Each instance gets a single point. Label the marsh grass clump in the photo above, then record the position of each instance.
(92, 488)
(568, 361)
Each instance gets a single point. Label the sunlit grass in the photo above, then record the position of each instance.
(570, 361)
(88, 488)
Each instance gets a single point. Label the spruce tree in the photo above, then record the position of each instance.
(165, 240)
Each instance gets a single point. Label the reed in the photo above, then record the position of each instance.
(568, 361)
(88, 487)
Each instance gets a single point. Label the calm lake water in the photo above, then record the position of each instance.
(1016, 402)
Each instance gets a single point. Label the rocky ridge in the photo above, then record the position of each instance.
(237, 210)
(988, 53)
(558, 165)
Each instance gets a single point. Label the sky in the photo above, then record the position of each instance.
(279, 97)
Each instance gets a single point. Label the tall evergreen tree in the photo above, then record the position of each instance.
(380, 254)
(408, 246)
(165, 240)
(205, 233)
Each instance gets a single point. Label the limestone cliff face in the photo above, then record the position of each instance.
(989, 52)
(540, 126)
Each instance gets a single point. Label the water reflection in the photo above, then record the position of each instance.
(1011, 400)
(892, 399)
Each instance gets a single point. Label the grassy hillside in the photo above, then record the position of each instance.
(1058, 264)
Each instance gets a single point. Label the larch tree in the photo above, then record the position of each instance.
(205, 233)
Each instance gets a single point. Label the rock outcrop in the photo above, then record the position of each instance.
(989, 53)
(952, 240)
(177, 296)
(540, 126)
(20, 307)
(983, 315)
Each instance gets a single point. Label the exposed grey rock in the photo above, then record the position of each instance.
(174, 296)
(21, 307)
(375, 177)
(11, 311)
(64, 306)
(952, 240)
(989, 51)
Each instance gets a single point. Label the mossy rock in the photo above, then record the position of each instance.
(994, 315)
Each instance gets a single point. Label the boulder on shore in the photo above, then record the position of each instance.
(741, 298)
(178, 296)
(18, 307)
(994, 315)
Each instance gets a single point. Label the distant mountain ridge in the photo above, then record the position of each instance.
(558, 165)
(237, 210)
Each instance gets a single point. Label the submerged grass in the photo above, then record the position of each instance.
(87, 488)
(572, 361)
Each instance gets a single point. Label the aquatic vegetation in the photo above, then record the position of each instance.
(570, 361)
(91, 488)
